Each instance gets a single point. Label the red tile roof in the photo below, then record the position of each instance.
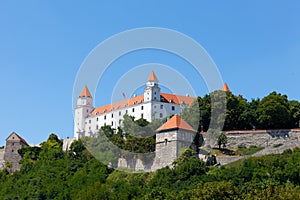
(177, 99)
(176, 122)
(85, 92)
(152, 77)
(20, 138)
(169, 98)
(118, 105)
(225, 88)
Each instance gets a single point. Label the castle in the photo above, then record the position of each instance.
(153, 104)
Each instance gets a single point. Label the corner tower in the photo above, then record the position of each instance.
(152, 91)
(83, 109)
(172, 136)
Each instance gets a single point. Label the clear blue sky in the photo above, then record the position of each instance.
(255, 44)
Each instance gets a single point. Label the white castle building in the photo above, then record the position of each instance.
(151, 105)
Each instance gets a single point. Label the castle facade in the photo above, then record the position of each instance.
(153, 104)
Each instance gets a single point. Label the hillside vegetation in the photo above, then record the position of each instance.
(50, 173)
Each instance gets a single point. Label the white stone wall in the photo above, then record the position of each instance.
(67, 143)
(115, 118)
(161, 110)
(151, 110)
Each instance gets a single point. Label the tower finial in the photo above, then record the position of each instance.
(152, 77)
(225, 88)
(85, 92)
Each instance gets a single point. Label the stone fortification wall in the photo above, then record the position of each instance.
(273, 141)
(261, 138)
(2, 162)
(67, 143)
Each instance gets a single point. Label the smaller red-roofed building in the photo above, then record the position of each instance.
(14, 142)
(171, 137)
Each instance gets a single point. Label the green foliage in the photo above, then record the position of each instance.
(277, 145)
(242, 150)
(77, 175)
(274, 112)
(222, 140)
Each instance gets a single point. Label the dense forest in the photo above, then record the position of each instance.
(50, 173)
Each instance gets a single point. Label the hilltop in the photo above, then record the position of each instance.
(50, 173)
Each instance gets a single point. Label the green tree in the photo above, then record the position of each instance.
(222, 140)
(274, 112)
(294, 107)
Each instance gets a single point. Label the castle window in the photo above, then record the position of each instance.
(126, 111)
(112, 123)
(120, 113)
(173, 107)
(87, 111)
(142, 116)
(12, 150)
(161, 106)
(160, 115)
(154, 98)
(132, 109)
(120, 121)
(97, 127)
(142, 107)
(12, 144)
(97, 119)
(104, 117)
(89, 121)
(155, 93)
(112, 115)
(104, 124)
(166, 141)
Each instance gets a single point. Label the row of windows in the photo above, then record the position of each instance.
(120, 121)
(162, 107)
(120, 113)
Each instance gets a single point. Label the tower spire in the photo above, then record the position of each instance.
(85, 92)
(225, 88)
(152, 77)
